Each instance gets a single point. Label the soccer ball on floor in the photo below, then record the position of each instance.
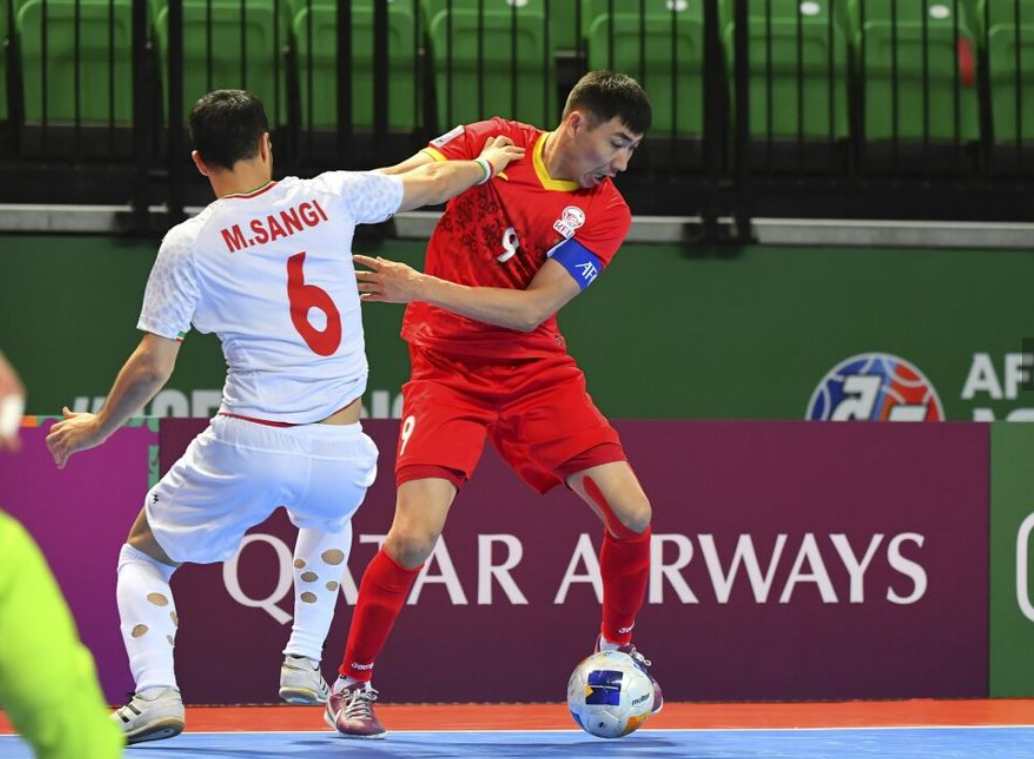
(609, 695)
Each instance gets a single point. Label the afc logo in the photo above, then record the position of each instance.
(570, 220)
(875, 387)
(588, 271)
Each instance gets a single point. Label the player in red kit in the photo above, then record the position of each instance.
(488, 361)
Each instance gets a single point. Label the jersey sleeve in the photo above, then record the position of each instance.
(370, 197)
(172, 289)
(606, 227)
(590, 250)
(465, 143)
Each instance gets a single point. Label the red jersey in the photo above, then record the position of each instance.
(501, 233)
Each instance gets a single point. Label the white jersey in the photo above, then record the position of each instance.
(271, 273)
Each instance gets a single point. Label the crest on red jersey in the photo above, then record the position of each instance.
(569, 221)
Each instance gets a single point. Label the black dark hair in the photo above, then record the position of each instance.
(606, 94)
(226, 125)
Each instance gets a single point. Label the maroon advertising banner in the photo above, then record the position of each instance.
(80, 516)
(790, 561)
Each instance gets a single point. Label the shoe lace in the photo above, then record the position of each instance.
(360, 704)
(640, 658)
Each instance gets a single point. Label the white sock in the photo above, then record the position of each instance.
(148, 618)
(320, 560)
(606, 645)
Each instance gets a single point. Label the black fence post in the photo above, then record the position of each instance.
(141, 119)
(381, 83)
(714, 123)
(344, 83)
(741, 46)
(176, 151)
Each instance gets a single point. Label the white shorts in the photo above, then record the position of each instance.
(236, 473)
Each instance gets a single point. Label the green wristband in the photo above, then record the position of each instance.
(486, 166)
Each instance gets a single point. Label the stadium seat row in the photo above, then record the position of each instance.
(912, 68)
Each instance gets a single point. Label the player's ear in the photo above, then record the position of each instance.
(576, 121)
(196, 156)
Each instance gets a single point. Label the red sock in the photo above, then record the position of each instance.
(382, 592)
(625, 569)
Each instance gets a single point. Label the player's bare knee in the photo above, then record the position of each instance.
(410, 548)
(637, 517)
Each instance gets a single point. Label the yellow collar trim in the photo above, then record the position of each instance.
(435, 154)
(547, 181)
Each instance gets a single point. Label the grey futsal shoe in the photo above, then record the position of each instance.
(153, 716)
(350, 712)
(301, 682)
(644, 664)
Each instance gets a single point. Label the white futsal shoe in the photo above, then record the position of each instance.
(154, 715)
(301, 682)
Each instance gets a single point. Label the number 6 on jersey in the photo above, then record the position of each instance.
(303, 297)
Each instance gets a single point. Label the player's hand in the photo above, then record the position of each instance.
(387, 281)
(78, 432)
(500, 152)
(12, 403)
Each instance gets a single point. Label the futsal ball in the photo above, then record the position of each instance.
(609, 695)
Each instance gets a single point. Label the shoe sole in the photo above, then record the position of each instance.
(302, 696)
(333, 724)
(159, 731)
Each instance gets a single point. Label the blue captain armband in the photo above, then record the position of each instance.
(580, 262)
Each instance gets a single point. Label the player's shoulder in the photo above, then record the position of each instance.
(185, 234)
(338, 181)
(608, 199)
(521, 133)
(326, 180)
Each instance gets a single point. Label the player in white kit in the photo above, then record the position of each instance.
(268, 268)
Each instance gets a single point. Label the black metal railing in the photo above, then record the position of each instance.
(825, 108)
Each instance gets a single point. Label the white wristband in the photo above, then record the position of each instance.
(11, 410)
(486, 166)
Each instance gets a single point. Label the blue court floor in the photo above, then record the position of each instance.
(884, 743)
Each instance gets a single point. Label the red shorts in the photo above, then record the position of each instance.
(536, 412)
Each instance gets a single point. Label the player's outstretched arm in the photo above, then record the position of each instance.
(415, 161)
(144, 374)
(523, 310)
(437, 182)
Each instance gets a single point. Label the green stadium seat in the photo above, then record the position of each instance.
(531, 82)
(665, 41)
(1004, 38)
(948, 60)
(104, 60)
(322, 33)
(264, 70)
(563, 18)
(808, 86)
